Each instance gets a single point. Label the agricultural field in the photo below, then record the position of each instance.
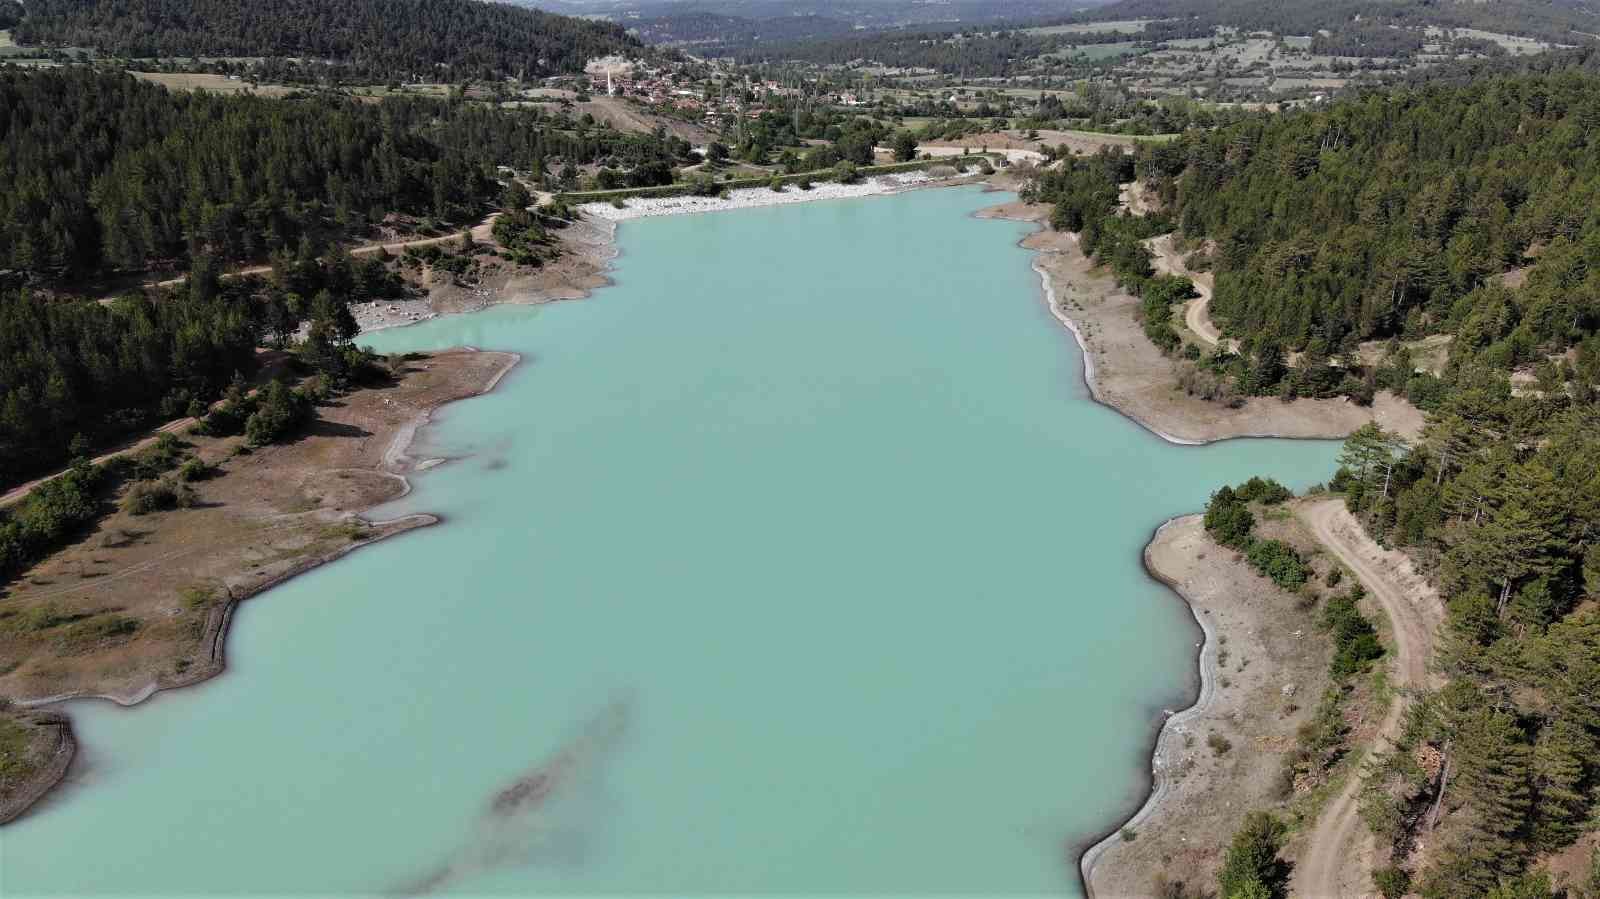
(1126, 26)
(221, 84)
(1516, 46)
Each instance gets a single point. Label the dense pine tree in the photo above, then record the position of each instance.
(429, 40)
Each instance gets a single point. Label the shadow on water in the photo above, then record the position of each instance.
(517, 827)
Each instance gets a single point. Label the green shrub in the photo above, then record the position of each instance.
(1228, 520)
(48, 515)
(1263, 490)
(1218, 743)
(1251, 867)
(279, 413)
(144, 497)
(1355, 640)
(1278, 561)
(156, 459)
(194, 470)
(1392, 881)
(198, 596)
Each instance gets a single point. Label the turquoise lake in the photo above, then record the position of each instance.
(800, 560)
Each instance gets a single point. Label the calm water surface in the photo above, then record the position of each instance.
(800, 559)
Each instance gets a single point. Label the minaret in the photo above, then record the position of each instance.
(611, 89)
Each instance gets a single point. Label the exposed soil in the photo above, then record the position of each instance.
(624, 116)
(587, 248)
(142, 602)
(40, 760)
(1131, 375)
(1263, 667)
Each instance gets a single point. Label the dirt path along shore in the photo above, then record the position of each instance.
(1338, 859)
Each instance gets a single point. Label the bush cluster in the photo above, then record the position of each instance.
(1229, 521)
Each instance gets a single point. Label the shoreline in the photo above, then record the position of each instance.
(396, 463)
(1089, 380)
(1204, 686)
(1140, 383)
(601, 252)
(761, 197)
(44, 781)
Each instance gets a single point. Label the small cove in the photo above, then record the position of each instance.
(806, 532)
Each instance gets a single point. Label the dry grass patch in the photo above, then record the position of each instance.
(138, 600)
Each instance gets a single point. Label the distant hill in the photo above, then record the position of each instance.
(381, 38)
(714, 30)
(1562, 21)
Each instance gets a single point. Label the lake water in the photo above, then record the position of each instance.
(799, 562)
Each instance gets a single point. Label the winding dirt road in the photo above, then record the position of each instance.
(1338, 858)
(1196, 315)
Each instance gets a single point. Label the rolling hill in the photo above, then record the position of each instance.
(380, 38)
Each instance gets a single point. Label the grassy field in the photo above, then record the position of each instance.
(220, 84)
(1126, 26)
(14, 751)
(1098, 52)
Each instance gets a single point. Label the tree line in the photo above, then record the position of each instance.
(1199, 18)
(77, 374)
(380, 40)
(108, 172)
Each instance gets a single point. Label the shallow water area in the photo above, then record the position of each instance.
(797, 562)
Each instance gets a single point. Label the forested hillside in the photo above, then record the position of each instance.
(985, 55)
(1554, 20)
(108, 172)
(426, 40)
(1502, 502)
(1392, 215)
(1388, 216)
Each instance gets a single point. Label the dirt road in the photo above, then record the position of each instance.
(171, 427)
(1196, 315)
(1338, 858)
(481, 233)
